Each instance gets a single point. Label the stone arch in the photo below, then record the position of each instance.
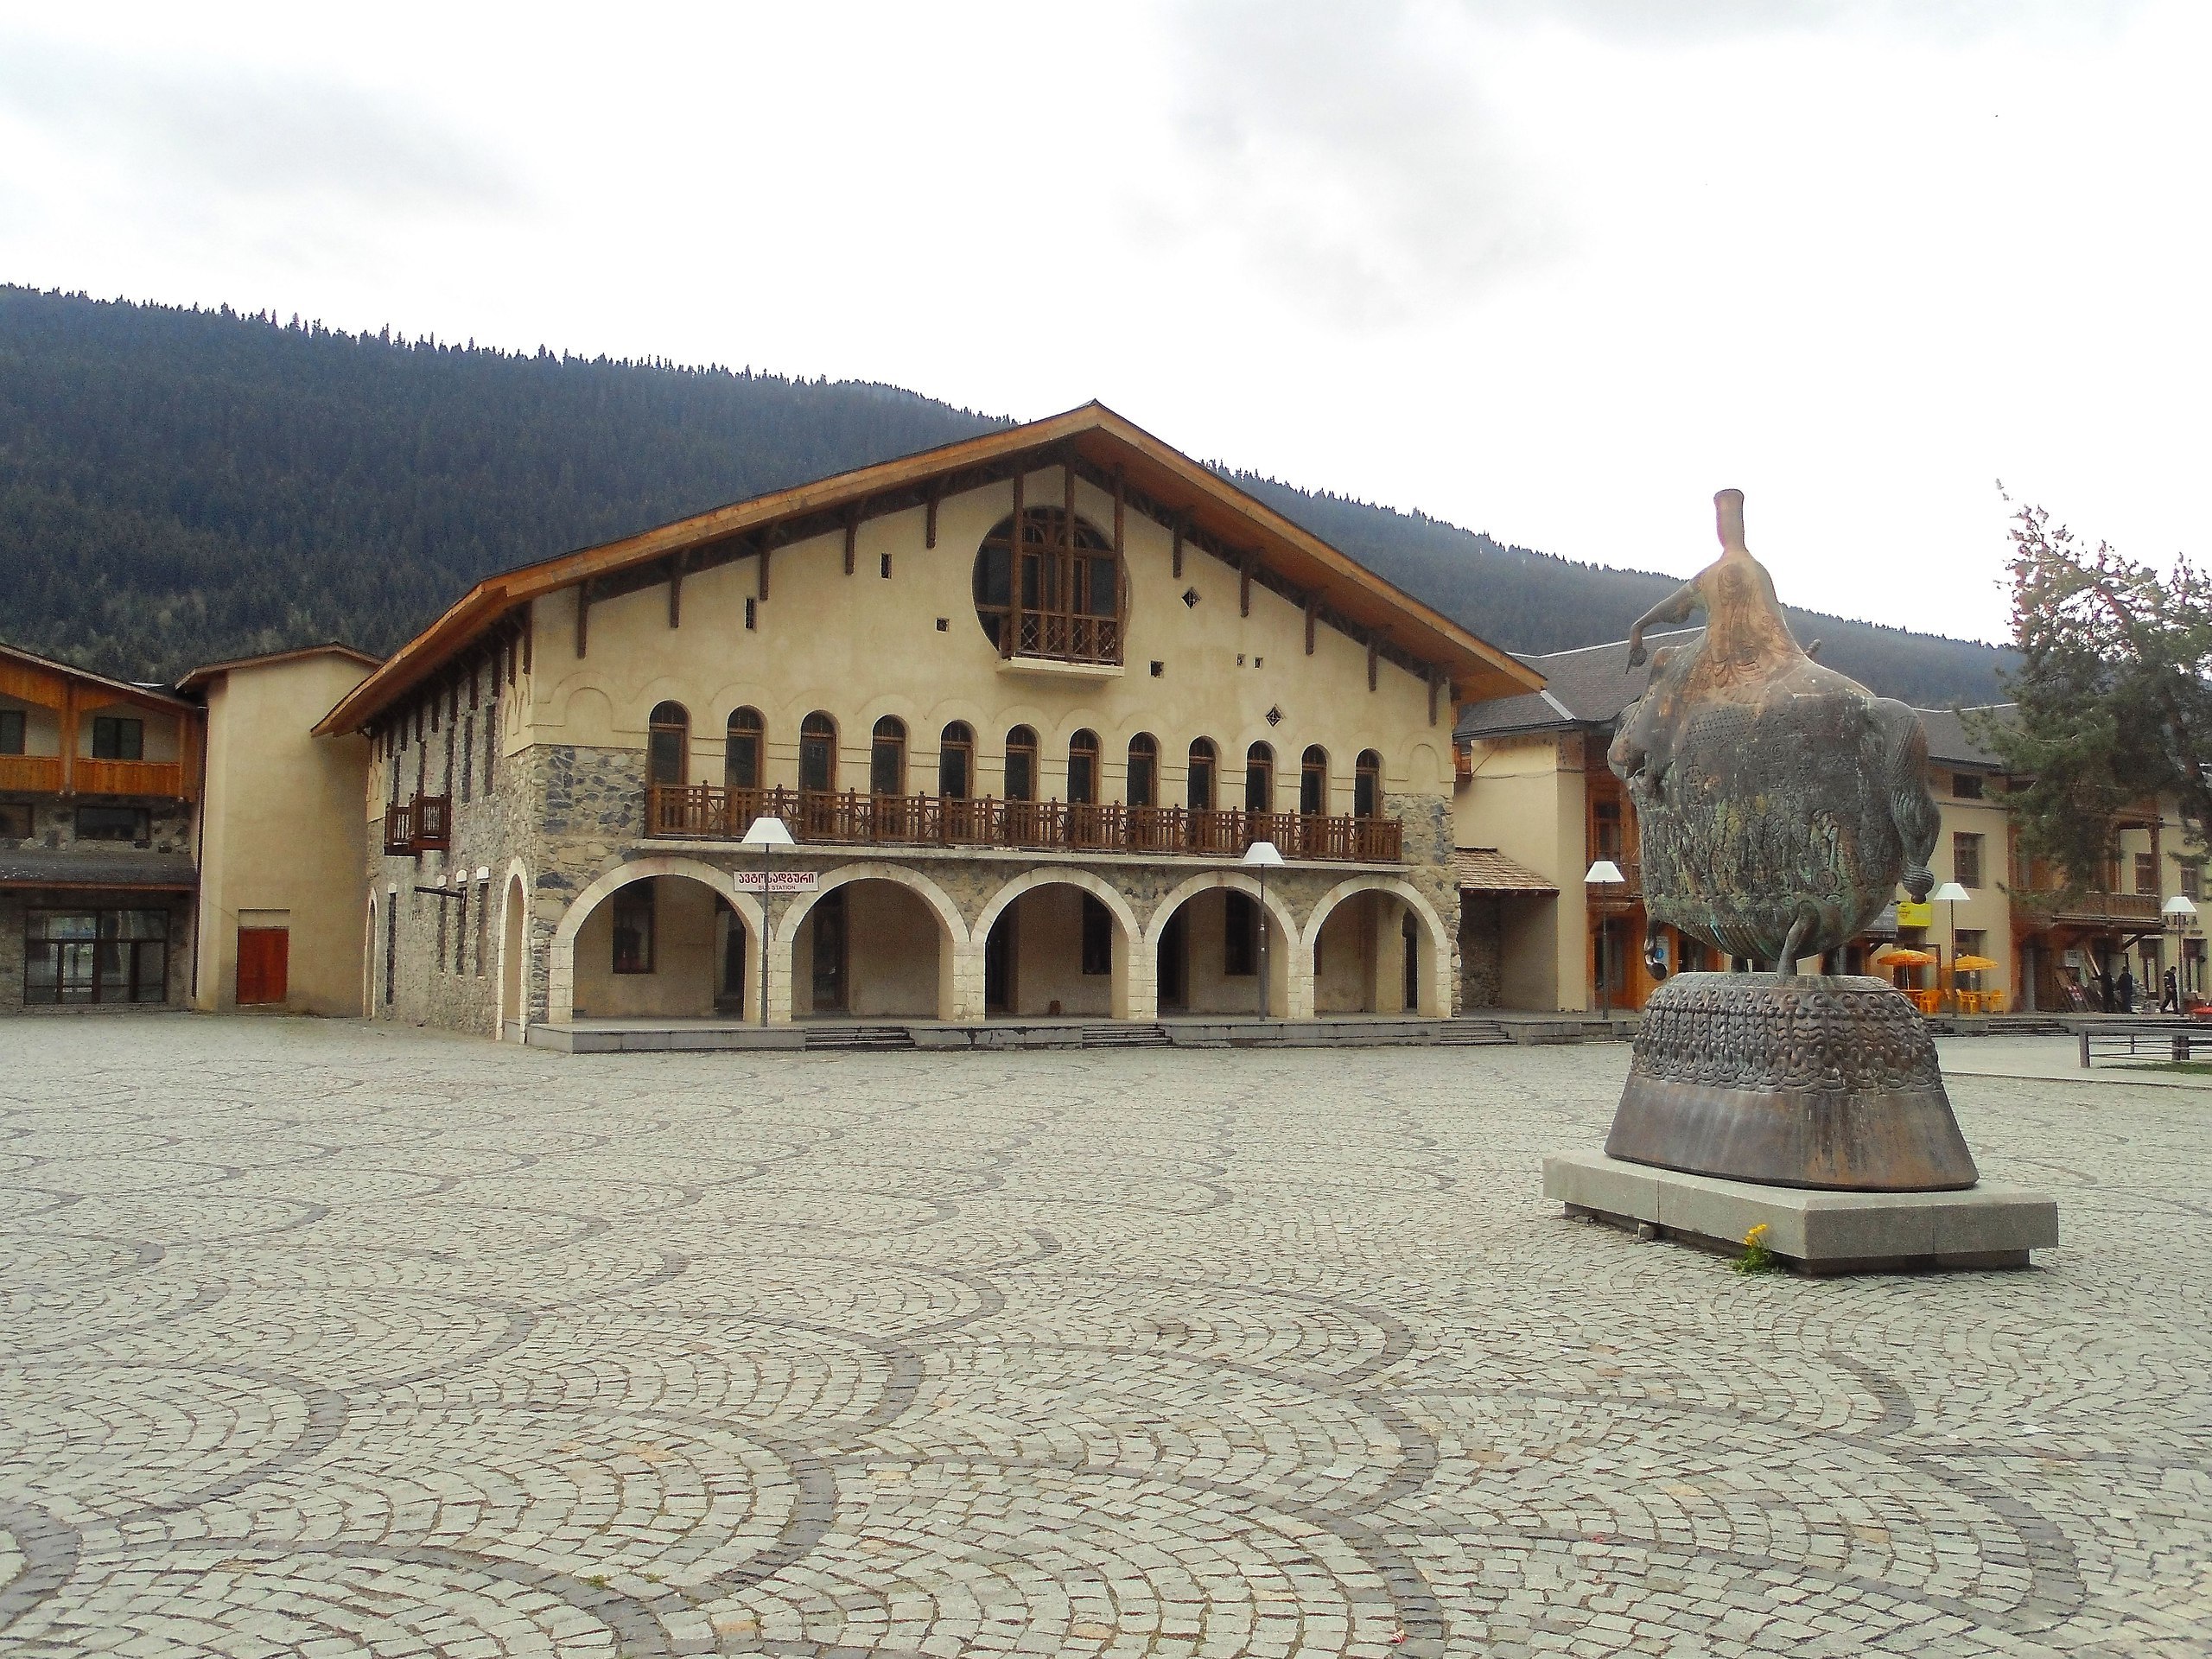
(1290, 968)
(1433, 958)
(512, 1006)
(1132, 994)
(561, 957)
(959, 964)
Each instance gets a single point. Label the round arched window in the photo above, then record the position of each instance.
(1056, 592)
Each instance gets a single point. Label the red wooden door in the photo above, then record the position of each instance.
(264, 959)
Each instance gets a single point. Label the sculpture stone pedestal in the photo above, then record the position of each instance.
(1812, 1105)
(1814, 1232)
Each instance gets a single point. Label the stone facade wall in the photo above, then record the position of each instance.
(1481, 949)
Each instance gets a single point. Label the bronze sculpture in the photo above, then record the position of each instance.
(1779, 805)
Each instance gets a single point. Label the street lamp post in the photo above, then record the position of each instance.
(767, 832)
(2178, 911)
(1948, 895)
(1263, 856)
(1603, 872)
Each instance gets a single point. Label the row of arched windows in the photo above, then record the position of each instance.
(669, 750)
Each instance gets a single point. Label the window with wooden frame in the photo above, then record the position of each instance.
(1083, 768)
(1260, 778)
(1198, 791)
(1367, 785)
(1606, 840)
(1966, 785)
(12, 731)
(634, 928)
(817, 753)
(1143, 788)
(1097, 936)
(1965, 859)
(96, 956)
(2192, 878)
(1240, 935)
(668, 745)
(2146, 873)
(747, 734)
(956, 761)
(132, 823)
(887, 758)
(1057, 595)
(1021, 764)
(1313, 782)
(118, 737)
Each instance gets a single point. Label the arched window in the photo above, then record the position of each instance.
(1021, 764)
(818, 753)
(742, 758)
(1260, 778)
(668, 745)
(1083, 768)
(1367, 785)
(887, 758)
(1144, 770)
(1199, 794)
(1313, 782)
(956, 761)
(1067, 603)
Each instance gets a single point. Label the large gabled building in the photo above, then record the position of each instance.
(1023, 702)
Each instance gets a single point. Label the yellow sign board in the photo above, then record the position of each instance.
(1911, 915)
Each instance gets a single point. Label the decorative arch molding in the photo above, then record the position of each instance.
(512, 984)
(1285, 923)
(561, 957)
(1097, 887)
(948, 913)
(1436, 950)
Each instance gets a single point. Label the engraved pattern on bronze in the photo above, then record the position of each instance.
(1823, 1035)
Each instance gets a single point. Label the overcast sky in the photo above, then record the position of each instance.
(1556, 270)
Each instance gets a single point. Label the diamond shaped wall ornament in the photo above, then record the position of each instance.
(1275, 717)
(1190, 596)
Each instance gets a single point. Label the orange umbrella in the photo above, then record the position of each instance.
(1898, 956)
(1972, 964)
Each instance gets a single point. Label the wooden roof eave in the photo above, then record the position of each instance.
(1476, 670)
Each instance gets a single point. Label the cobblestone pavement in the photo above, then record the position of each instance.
(321, 1339)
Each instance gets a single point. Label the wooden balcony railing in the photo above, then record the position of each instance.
(2091, 905)
(1628, 890)
(164, 777)
(1064, 636)
(38, 772)
(421, 825)
(700, 809)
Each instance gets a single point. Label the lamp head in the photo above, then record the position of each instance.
(1603, 870)
(1949, 893)
(2179, 904)
(1263, 854)
(767, 830)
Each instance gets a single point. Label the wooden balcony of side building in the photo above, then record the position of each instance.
(422, 825)
(2090, 907)
(706, 812)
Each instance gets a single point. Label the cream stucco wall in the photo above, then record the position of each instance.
(1526, 798)
(1990, 909)
(861, 647)
(281, 831)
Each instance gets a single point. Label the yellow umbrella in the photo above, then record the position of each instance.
(1898, 956)
(1972, 964)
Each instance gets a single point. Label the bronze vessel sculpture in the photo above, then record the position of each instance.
(1779, 805)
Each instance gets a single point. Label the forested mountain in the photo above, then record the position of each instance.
(182, 485)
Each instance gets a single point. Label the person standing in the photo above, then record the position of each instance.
(2170, 1002)
(2126, 988)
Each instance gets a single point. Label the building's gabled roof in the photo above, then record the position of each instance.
(156, 694)
(1157, 479)
(1588, 686)
(1949, 742)
(199, 677)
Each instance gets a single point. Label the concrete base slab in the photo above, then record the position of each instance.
(1812, 1230)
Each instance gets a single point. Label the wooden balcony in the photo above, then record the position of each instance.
(710, 813)
(2091, 906)
(42, 774)
(39, 775)
(162, 778)
(421, 825)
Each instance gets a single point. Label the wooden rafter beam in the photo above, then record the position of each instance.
(583, 615)
(677, 566)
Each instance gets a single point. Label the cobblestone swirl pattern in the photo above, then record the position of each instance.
(322, 1339)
